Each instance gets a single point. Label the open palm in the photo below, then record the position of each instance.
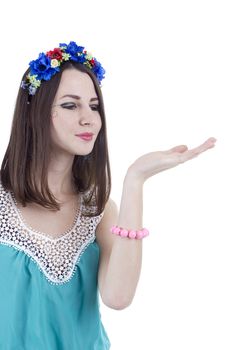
(154, 162)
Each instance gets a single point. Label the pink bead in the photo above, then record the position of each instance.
(140, 234)
(124, 233)
(145, 232)
(116, 230)
(132, 234)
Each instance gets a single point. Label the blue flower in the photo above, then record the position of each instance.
(81, 58)
(98, 70)
(73, 49)
(32, 90)
(42, 67)
(24, 85)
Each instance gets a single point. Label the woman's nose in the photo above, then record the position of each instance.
(86, 117)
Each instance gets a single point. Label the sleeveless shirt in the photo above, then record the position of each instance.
(49, 296)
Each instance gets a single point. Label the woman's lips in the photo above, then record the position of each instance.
(86, 136)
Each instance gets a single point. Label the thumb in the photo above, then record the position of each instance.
(180, 148)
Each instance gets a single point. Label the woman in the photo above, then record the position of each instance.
(57, 251)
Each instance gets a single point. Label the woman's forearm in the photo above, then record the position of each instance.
(126, 257)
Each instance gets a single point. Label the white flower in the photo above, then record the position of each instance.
(54, 63)
(89, 56)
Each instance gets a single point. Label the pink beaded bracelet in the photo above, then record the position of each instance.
(129, 233)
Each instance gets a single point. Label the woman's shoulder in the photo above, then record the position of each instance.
(3, 190)
(109, 215)
(110, 206)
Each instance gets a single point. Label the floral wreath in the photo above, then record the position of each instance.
(49, 64)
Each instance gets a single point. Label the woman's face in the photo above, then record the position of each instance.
(76, 121)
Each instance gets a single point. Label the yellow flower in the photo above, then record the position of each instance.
(88, 64)
(65, 56)
(55, 63)
(32, 79)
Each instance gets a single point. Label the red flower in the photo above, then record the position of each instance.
(55, 54)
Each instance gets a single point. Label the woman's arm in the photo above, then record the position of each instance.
(120, 258)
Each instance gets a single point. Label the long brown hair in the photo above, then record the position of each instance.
(28, 152)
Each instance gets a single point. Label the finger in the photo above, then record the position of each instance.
(179, 148)
(210, 143)
(190, 154)
(212, 139)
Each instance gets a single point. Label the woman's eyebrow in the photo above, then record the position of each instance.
(79, 98)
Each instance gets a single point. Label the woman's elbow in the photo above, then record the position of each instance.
(117, 303)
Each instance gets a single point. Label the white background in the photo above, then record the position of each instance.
(169, 81)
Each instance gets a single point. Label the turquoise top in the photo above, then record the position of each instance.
(48, 286)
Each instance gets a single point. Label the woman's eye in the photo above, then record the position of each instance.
(73, 106)
(69, 105)
(95, 107)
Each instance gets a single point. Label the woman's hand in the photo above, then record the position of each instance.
(153, 163)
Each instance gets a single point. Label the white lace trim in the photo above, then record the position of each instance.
(58, 257)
